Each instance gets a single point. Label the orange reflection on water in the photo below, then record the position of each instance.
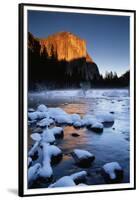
(72, 108)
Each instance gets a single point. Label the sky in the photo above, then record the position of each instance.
(107, 36)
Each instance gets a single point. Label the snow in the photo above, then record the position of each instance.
(89, 120)
(36, 136)
(97, 125)
(78, 175)
(65, 181)
(48, 151)
(105, 117)
(81, 154)
(56, 111)
(48, 136)
(75, 117)
(110, 168)
(42, 108)
(36, 115)
(63, 119)
(45, 122)
(78, 124)
(57, 130)
(33, 173)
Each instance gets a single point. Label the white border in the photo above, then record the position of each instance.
(93, 187)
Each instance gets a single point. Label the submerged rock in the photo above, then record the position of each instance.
(75, 134)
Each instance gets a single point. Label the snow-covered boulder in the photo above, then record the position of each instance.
(37, 115)
(97, 127)
(75, 117)
(65, 181)
(48, 136)
(78, 124)
(51, 154)
(33, 173)
(89, 120)
(79, 177)
(105, 117)
(112, 172)
(45, 122)
(57, 132)
(82, 157)
(42, 108)
(36, 137)
(63, 119)
(55, 111)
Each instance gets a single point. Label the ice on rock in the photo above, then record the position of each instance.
(33, 173)
(31, 110)
(36, 136)
(48, 136)
(42, 108)
(65, 181)
(45, 122)
(83, 157)
(113, 170)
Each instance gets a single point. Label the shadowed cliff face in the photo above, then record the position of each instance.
(61, 59)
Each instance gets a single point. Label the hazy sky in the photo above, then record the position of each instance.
(107, 37)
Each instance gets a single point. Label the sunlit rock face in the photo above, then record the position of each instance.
(64, 54)
(65, 46)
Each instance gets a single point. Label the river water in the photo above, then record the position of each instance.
(112, 145)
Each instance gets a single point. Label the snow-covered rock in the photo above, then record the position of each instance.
(37, 115)
(65, 181)
(57, 132)
(82, 157)
(112, 172)
(79, 177)
(45, 122)
(42, 108)
(36, 137)
(105, 117)
(33, 173)
(78, 124)
(48, 136)
(63, 119)
(89, 120)
(97, 127)
(75, 117)
(50, 153)
(55, 111)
